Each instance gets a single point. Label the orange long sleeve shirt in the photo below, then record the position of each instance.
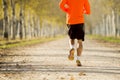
(75, 10)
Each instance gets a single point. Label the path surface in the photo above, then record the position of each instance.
(48, 61)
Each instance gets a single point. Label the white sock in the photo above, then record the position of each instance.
(78, 57)
(72, 46)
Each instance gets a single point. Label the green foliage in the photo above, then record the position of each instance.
(20, 43)
(43, 8)
(106, 39)
(1, 10)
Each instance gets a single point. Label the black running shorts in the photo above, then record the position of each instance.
(76, 31)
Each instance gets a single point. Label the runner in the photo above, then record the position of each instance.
(75, 9)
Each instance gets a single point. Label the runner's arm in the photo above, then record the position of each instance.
(87, 7)
(63, 6)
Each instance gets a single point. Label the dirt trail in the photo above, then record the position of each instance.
(48, 61)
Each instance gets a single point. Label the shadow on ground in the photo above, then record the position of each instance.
(22, 67)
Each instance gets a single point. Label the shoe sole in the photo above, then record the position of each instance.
(78, 63)
(71, 55)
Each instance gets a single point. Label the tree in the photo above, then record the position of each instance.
(5, 20)
(13, 19)
(21, 20)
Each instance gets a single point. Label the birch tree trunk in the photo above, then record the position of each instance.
(117, 25)
(13, 20)
(103, 27)
(34, 26)
(21, 21)
(109, 24)
(29, 26)
(25, 30)
(5, 20)
(107, 27)
(113, 24)
(38, 26)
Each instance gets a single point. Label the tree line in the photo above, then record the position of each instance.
(27, 19)
(105, 18)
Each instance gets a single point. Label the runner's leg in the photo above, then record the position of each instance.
(72, 50)
(80, 48)
(79, 52)
(72, 43)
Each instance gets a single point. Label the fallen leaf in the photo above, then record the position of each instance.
(62, 78)
(82, 74)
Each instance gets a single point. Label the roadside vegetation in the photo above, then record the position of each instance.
(105, 39)
(23, 43)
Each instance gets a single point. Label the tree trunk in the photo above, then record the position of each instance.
(107, 27)
(103, 27)
(25, 30)
(109, 24)
(117, 25)
(13, 20)
(38, 27)
(113, 24)
(21, 21)
(29, 26)
(5, 20)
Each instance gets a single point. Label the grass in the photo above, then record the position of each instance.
(20, 43)
(104, 38)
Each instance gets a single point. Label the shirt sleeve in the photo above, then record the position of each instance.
(62, 5)
(87, 7)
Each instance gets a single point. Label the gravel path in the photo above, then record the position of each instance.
(48, 61)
